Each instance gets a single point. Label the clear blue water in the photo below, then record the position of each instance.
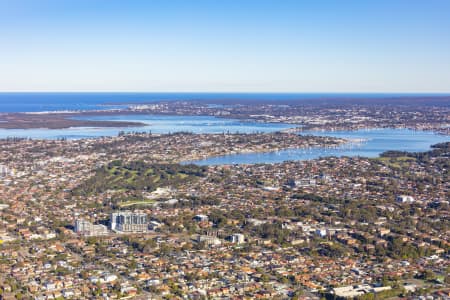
(375, 141)
(32, 102)
(155, 124)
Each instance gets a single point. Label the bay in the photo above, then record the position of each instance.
(154, 123)
(365, 143)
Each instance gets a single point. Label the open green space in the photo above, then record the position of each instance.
(139, 176)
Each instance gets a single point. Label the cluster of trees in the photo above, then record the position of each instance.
(273, 231)
(438, 150)
(399, 249)
(194, 201)
(144, 246)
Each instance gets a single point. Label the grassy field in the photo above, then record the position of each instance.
(136, 202)
(396, 162)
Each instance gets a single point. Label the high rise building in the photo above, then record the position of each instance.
(128, 221)
(237, 238)
(87, 228)
(4, 171)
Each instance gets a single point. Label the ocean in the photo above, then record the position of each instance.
(35, 102)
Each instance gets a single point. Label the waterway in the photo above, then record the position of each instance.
(153, 123)
(366, 143)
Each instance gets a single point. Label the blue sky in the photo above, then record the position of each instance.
(225, 46)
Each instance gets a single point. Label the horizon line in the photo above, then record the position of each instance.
(225, 92)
